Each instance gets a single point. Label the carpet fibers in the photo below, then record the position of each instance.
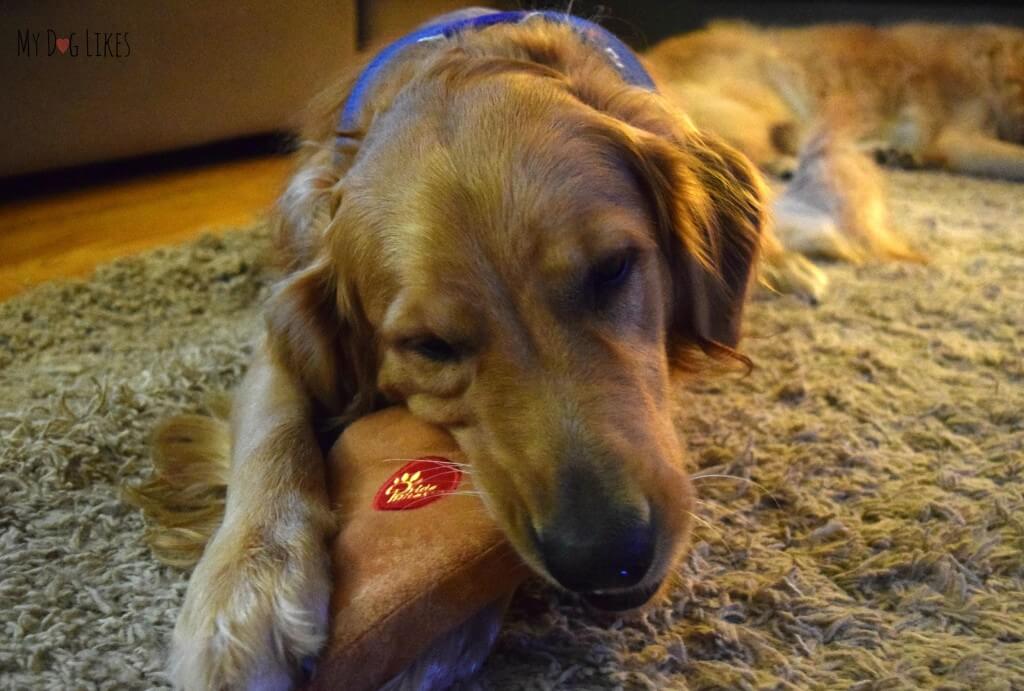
(870, 534)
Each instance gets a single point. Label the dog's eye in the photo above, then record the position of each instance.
(610, 274)
(435, 349)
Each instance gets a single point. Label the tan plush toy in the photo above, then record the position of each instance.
(422, 574)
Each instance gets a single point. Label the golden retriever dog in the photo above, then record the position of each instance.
(820, 104)
(523, 246)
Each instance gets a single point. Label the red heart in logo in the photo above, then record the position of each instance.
(62, 44)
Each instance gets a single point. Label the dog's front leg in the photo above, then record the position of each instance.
(974, 153)
(256, 605)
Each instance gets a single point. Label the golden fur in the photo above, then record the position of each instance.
(819, 103)
(490, 179)
(445, 257)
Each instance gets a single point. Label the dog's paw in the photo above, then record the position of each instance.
(791, 273)
(255, 611)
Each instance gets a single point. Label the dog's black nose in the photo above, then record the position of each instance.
(596, 537)
(588, 553)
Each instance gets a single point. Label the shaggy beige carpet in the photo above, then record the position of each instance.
(873, 541)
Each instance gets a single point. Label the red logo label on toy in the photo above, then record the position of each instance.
(417, 484)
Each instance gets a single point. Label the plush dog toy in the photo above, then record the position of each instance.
(422, 574)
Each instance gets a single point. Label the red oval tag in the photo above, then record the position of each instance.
(417, 484)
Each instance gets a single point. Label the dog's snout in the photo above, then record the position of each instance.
(594, 539)
(588, 553)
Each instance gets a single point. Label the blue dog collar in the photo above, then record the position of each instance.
(615, 51)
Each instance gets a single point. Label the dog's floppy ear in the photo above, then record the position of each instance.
(732, 226)
(314, 319)
(710, 206)
(316, 327)
(315, 323)
(312, 326)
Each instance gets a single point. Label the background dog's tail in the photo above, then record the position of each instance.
(183, 501)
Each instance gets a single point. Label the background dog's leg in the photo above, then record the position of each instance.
(978, 154)
(806, 227)
(835, 206)
(256, 604)
(790, 272)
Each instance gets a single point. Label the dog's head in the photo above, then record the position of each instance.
(526, 264)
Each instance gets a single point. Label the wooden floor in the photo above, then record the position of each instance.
(68, 233)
